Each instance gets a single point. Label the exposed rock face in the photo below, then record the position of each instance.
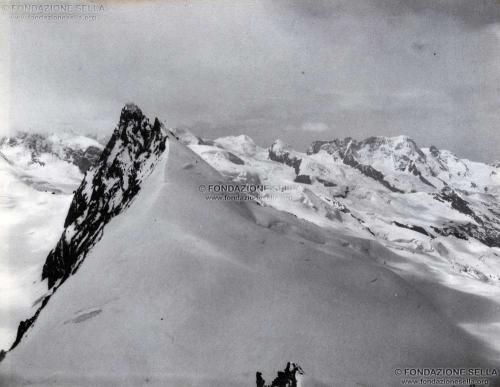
(419, 229)
(402, 149)
(459, 204)
(279, 152)
(484, 233)
(131, 154)
(402, 153)
(369, 171)
(84, 159)
(326, 183)
(304, 179)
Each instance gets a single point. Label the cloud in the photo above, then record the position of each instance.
(314, 127)
(428, 69)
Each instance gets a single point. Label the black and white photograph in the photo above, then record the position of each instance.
(249, 193)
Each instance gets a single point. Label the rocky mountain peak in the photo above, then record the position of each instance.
(131, 111)
(130, 155)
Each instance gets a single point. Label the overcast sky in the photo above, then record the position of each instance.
(295, 70)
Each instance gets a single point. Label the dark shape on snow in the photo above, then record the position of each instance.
(326, 183)
(234, 159)
(285, 378)
(259, 380)
(285, 158)
(369, 171)
(419, 229)
(305, 179)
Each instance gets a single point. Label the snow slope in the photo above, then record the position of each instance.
(181, 291)
(37, 177)
(446, 239)
(30, 223)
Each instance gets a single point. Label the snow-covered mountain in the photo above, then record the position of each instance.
(353, 260)
(54, 162)
(388, 189)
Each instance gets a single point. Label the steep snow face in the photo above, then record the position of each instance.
(241, 144)
(185, 291)
(38, 174)
(30, 223)
(462, 173)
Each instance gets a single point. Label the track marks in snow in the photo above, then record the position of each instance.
(83, 316)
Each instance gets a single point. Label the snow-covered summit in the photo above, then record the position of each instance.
(370, 148)
(242, 144)
(407, 167)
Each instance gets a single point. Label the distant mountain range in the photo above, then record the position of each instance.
(352, 259)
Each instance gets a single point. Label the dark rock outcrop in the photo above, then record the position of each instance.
(285, 378)
(281, 155)
(84, 159)
(304, 179)
(371, 172)
(457, 203)
(486, 229)
(412, 227)
(414, 169)
(326, 183)
(486, 234)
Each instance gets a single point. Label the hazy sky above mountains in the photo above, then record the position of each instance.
(295, 70)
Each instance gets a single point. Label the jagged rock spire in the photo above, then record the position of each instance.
(106, 190)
